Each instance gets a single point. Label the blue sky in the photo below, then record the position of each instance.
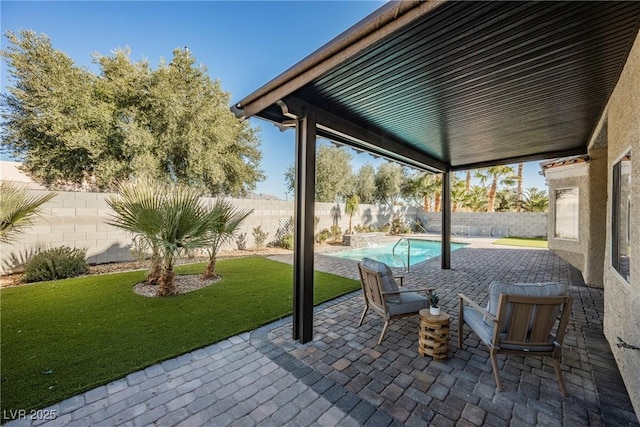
(243, 43)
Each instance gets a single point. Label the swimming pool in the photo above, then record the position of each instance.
(421, 250)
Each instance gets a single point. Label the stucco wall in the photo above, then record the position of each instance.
(621, 299)
(598, 178)
(563, 177)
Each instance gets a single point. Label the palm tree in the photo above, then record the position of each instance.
(506, 200)
(477, 199)
(535, 200)
(137, 210)
(351, 206)
(497, 175)
(224, 222)
(18, 209)
(458, 193)
(170, 217)
(519, 189)
(421, 189)
(432, 190)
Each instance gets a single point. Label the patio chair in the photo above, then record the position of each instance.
(382, 295)
(525, 319)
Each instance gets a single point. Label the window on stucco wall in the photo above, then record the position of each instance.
(567, 212)
(621, 216)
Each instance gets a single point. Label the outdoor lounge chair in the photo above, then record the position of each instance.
(382, 295)
(525, 319)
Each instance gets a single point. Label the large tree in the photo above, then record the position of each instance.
(364, 183)
(389, 179)
(333, 174)
(72, 127)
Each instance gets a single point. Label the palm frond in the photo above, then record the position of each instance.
(18, 209)
(224, 222)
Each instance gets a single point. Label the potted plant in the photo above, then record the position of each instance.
(433, 304)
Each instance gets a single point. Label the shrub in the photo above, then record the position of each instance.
(398, 226)
(55, 263)
(241, 241)
(364, 228)
(385, 228)
(323, 235)
(287, 241)
(336, 233)
(259, 236)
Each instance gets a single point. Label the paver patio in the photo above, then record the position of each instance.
(344, 378)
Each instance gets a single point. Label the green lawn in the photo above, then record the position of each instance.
(521, 241)
(64, 337)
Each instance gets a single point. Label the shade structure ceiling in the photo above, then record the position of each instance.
(465, 84)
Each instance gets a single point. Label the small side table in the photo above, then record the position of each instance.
(433, 337)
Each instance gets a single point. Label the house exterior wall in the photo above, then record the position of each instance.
(622, 299)
(562, 177)
(587, 252)
(593, 271)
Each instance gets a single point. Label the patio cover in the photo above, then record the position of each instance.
(446, 86)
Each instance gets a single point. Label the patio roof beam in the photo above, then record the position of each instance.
(519, 159)
(343, 131)
(390, 18)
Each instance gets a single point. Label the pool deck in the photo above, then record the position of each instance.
(343, 377)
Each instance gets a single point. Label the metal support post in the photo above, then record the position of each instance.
(446, 221)
(303, 238)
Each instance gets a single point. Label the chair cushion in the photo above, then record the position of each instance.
(476, 322)
(408, 302)
(540, 289)
(388, 281)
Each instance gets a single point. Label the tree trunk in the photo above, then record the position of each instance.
(155, 271)
(492, 196)
(436, 207)
(210, 271)
(519, 188)
(166, 285)
(468, 182)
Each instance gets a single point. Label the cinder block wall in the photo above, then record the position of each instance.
(493, 224)
(78, 220)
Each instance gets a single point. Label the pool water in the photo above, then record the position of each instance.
(421, 250)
